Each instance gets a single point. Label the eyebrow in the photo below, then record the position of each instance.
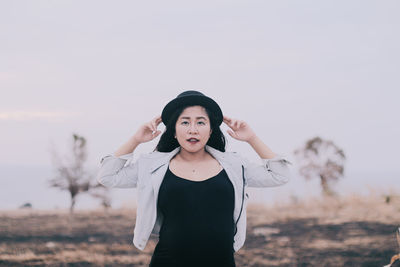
(201, 117)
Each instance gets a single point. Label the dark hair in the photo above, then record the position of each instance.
(168, 143)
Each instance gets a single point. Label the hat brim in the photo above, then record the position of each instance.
(191, 100)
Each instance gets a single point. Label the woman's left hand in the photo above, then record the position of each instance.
(241, 130)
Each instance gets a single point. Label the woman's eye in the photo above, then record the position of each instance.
(199, 122)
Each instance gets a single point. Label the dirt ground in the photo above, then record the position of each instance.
(355, 231)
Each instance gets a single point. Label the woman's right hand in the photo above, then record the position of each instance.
(148, 131)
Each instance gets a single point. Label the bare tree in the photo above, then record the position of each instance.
(323, 159)
(71, 176)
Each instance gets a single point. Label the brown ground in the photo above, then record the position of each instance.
(352, 231)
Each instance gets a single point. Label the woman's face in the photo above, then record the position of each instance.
(193, 123)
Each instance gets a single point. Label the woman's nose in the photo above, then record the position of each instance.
(192, 128)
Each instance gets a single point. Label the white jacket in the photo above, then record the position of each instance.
(148, 171)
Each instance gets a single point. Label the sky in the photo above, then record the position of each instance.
(292, 70)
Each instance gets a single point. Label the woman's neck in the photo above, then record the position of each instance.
(198, 156)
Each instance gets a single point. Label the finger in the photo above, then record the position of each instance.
(150, 126)
(234, 123)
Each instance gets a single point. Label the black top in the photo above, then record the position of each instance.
(198, 222)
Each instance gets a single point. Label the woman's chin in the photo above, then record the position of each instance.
(193, 148)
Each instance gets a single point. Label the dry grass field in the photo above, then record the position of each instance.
(351, 231)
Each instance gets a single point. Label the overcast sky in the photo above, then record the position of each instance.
(292, 70)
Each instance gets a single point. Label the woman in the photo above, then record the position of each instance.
(191, 193)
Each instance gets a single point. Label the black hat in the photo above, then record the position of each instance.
(190, 98)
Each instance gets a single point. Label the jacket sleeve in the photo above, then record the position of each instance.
(272, 172)
(113, 173)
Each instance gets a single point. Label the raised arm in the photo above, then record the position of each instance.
(274, 169)
(268, 173)
(113, 172)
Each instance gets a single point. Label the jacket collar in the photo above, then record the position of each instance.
(165, 157)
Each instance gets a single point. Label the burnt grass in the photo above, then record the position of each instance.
(30, 238)
(303, 231)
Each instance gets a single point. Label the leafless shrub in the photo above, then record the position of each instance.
(323, 159)
(71, 174)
